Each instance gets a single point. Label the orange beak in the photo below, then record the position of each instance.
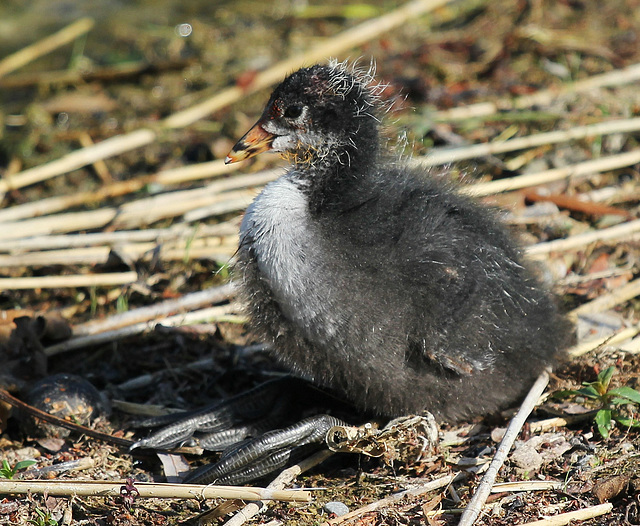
(255, 141)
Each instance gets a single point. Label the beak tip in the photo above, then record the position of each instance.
(255, 141)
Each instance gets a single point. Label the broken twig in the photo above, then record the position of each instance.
(78, 280)
(70, 488)
(45, 46)
(544, 97)
(439, 156)
(578, 515)
(612, 162)
(484, 488)
(285, 478)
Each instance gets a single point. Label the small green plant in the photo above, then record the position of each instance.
(44, 518)
(122, 303)
(618, 404)
(187, 246)
(8, 472)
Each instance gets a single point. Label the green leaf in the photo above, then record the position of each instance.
(24, 464)
(627, 422)
(626, 392)
(6, 471)
(604, 422)
(590, 392)
(566, 393)
(604, 378)
(619, 401)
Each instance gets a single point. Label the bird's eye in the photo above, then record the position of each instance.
(292, 112)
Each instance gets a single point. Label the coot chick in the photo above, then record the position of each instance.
(381, 281)
(377, 281)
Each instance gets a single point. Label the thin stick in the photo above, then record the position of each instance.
(166, 177)
(146, 211)
(159, 235)
(45, 46)
(608, 301)
(592, 166)
(51, 205)
(99, 166)
(124, 143)
(447, 155)
(528, 485)
(224, 313)
(71, 221)
(211, 248)
(184, 303)
(56, 420)
(203, 194)
(596, 343)
(195, 172)
(78, 280)
(69, 488)
(579, 515)
(285, 478)
(391, 499)
(132, 215)
(83, 157)
(575, 204)
(612, 78)
(484, 488)
(611, 234)
(631, 347)
(108, 73)
(74, 256)
(220, 208)
(541, 426)
(57, 469)
(55, 204)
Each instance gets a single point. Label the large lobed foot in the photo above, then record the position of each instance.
(244, 428)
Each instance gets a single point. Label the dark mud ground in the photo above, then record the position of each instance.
(465, 53)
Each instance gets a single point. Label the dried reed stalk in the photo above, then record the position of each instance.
(618, 77)
(211, 248)
(185, 303)
(483, 490)
(285, 478)
(55, 204)
(223, 230)
(95, 488)
(209, 315)
(45, 46)
(596, 343)
(78, 280)
(608, 301)
(439, 156)
(611, 162)
(147, 210)
(578, 515)
(606, 235)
